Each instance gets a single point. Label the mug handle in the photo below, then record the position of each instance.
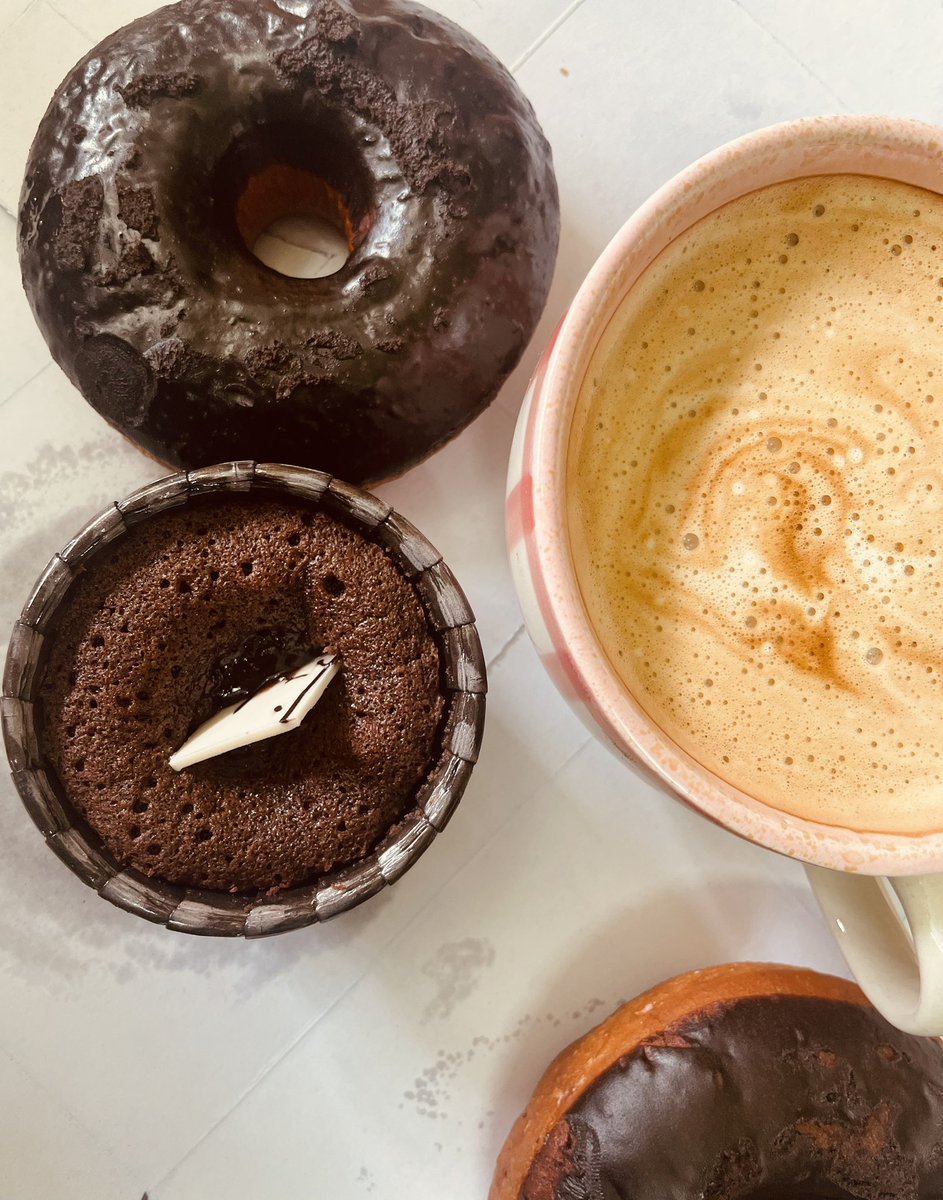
(900, 971)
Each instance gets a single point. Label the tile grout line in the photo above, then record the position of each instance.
(27, 4)
(545, 36)
(25, 384)
(106, 1149)
(792, 54)
(263, 1075)
(507, 647)
(72, 25)
(377, 961)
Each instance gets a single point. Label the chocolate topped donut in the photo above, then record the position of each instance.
(738, 1083)
(180, 138)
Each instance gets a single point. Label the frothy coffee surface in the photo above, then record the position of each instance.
(756, 498)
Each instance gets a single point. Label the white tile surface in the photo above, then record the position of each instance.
(456, 1024)
(871, 54)
(386, 1053)
(10, 10)
(46, 1152)
(24, 351)
(37, 48)
(96, 20)
(457, 499)
(59, 464)
(629, 93)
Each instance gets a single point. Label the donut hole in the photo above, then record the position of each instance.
(301, 247)
(301, 196)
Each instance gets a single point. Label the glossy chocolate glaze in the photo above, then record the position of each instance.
(765, 1098)
(264, 655)
(150, 301)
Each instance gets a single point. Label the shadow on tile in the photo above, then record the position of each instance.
(53, 926)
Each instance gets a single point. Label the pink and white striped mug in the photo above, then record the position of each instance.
(856, 875)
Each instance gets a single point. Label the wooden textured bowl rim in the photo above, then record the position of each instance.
(200, 910)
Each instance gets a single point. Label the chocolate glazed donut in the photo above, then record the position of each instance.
(745, 1082)
(180, 138)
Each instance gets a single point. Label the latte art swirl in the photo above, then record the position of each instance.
(756, 498)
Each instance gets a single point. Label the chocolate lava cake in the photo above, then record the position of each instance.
(197, 606)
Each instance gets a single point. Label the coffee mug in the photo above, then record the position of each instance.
(882, 893)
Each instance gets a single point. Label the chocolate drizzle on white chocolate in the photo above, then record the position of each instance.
(279, 706)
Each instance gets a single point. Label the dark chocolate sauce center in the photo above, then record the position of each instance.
(267, 655)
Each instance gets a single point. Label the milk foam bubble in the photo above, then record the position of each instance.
(755, 485)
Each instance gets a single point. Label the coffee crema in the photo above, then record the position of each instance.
(755, 498)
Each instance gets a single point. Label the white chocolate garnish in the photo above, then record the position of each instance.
(278, 707)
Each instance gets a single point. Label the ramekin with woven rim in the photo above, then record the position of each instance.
(200, 910)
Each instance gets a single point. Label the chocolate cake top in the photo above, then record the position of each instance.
(195, 603)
